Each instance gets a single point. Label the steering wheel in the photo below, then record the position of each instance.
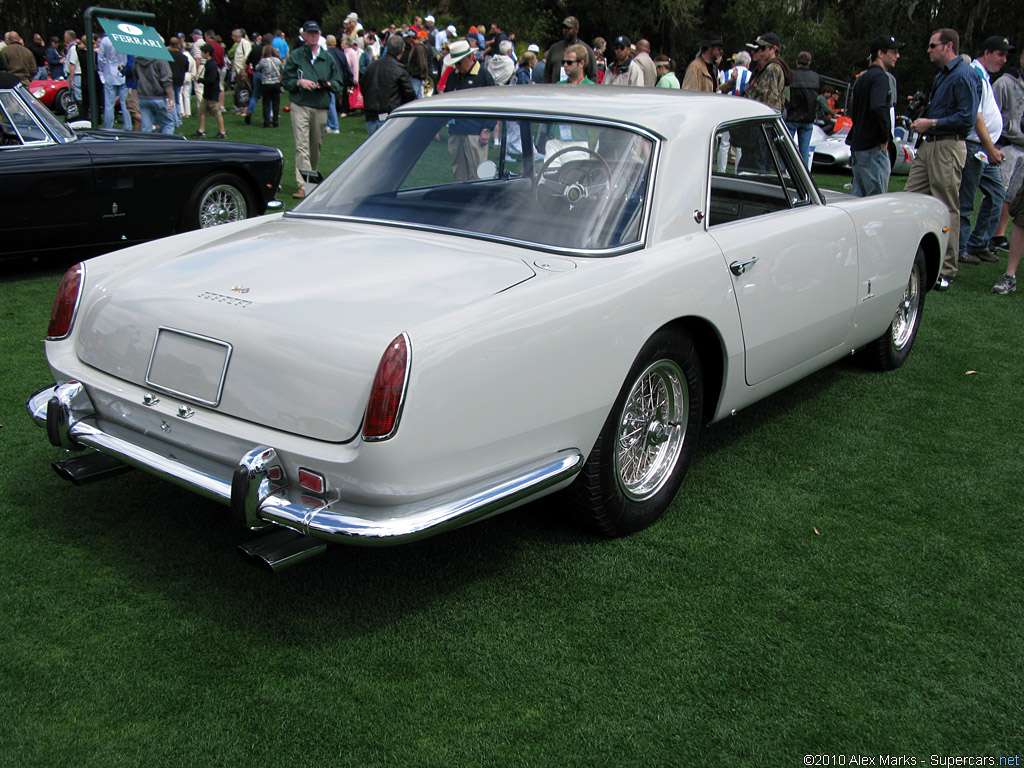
(576, 190)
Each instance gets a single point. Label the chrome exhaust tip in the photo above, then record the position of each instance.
(282, 549)
(89, 467)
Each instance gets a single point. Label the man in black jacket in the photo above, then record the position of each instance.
(385, 85)
(873, 100)
(803, 101)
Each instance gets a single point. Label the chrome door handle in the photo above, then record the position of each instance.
(739, 267)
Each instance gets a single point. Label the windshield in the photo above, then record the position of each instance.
(563, 184)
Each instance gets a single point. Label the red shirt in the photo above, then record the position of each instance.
(218, 54)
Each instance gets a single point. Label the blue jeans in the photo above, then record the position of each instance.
(41, 74)
(870, 172)
(802, 134)
(177, 106)
(417, 87)
(155, 116)
(373, 125)
(257, 91)
(111, 93)
(986, 177)
(332, 114)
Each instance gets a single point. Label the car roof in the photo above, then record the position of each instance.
(661, 111)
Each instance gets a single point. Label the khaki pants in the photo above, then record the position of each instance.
(937, 171)
(308, 128)
(466, 153)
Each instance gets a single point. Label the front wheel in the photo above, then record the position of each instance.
(63, 100)
(219, 199)
(646, 445)
(892, 348)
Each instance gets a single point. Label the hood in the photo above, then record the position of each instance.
(307, 308)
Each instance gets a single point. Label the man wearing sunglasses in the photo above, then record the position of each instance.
(624, 71)
(573, 60)
(951, 113)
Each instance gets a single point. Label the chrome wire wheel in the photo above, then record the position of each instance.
(651, 430)
(904, 322)
(222, 204)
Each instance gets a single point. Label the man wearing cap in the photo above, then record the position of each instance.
(443, 37)
(872, 125)
(623, 71)
(312, 79)
(770, 77)
(570, 36)
(1009, 95)
(771, 74)
(981, 169)
(467, 137)
(951, 113)
(702, 72)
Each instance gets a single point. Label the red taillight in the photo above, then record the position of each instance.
(388, 388)
(64, 306)
(312, 481)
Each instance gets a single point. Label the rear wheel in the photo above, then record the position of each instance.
(219, 199)
(891, 349)
(646, 445)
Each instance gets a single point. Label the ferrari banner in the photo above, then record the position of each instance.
(135, 39)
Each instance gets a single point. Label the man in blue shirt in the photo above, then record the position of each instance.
(951, 113)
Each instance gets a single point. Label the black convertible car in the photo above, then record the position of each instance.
(62, 187)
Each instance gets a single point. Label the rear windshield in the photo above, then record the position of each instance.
(564, 185)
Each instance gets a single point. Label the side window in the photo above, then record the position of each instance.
(787, 163)
(18, 123)
(755, 172)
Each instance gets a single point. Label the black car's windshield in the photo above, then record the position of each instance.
(562, 184)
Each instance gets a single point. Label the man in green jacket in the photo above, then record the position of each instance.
(312, 78)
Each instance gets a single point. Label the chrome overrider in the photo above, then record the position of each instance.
(259, 503)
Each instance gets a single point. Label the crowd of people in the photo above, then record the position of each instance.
(970, 130)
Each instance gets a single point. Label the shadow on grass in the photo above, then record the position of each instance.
(167, 540)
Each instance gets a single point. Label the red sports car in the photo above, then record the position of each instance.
(55, 94)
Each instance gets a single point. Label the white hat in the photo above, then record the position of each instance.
(429, 19)
(533, 48)
(451, 30)
(457, 51)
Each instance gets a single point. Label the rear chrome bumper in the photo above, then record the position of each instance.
(68, 415)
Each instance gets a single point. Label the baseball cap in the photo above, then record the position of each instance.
(996, 43)
(885, 43)
(624, 41)
(533, 48)
(429, 19)
(764, 40)
(571, 22)
(310, 26)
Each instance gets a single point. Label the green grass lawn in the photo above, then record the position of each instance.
(841, 574)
